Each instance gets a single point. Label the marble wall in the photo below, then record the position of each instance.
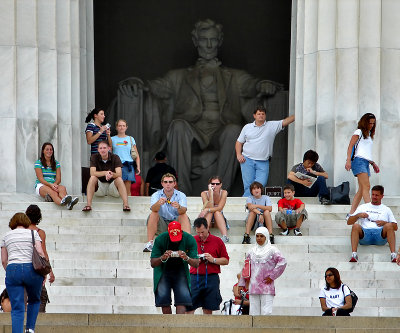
(46, 60)
(346, 62)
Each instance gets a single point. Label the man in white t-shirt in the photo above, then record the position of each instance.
(377, 225)
(254, 147)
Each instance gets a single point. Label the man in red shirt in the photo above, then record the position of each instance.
(291, 212)
(205, 279)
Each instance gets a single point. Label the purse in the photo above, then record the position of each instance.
(354, 298)
(133, 150)
(246, 271)
(339, 195)
(40, 264)
(353, 151)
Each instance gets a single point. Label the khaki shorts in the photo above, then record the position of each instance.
(162, 224)
(106, 189)
(291, 219)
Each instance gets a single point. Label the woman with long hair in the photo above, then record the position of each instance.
(95, 131)
(359, 157)
(266, 265)
(214, 200)
(35, 215)
(48, 179)
(121, 146)
(16, 257)
(335, 297)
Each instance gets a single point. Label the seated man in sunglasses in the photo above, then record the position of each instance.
(167, 205)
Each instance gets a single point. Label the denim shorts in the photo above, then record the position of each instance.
(177, 281)
(373, 237)
(205, 295)
(126, 175)
(360, 165)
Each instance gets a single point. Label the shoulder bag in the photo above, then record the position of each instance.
(133, 150)
(354, 298)
(339, 195)
(40, 264)
(353, 152)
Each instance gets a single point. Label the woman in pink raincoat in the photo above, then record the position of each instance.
(267, 264)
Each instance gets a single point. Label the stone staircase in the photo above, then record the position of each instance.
(100, 267)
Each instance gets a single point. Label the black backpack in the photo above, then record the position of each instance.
(354, 298)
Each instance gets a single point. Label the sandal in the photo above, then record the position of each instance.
(126, 209)
(86, 209)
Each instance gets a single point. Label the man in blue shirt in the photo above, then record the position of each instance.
(167, 205)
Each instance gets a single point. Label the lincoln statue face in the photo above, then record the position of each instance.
(207, 38)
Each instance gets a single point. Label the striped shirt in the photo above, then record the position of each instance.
(92, 127)
(18, 243)
(49, 175)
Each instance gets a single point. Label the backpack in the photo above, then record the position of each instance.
(354, 298)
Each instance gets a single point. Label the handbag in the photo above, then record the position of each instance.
(354, 298)
(353, 151)
(246, 271)
(339, 195)
(133, 150)
(40, 264)
(231, 309)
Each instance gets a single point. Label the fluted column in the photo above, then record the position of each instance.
(46, 61)
(347, 63)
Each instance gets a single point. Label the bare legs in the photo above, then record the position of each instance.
(363, 191)
(56, 196)
(219, 221)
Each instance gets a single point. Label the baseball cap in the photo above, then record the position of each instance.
(175, 231)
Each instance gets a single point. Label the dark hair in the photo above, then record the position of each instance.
(91, 114)
(337, 282)
(255, 185)
(311, 155)
(260, 108)
(105, 142)
(19, 219)
(52, 159)
(34, 214)
(199, 222)
(363, 125)
(289, 187)
(3, 296)
(378, 188)
(160, 156)
(215, 177)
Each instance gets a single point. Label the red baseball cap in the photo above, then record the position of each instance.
(175, 231)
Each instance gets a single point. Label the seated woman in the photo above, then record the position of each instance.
(48, 179)
(214, 200)
(335, 296)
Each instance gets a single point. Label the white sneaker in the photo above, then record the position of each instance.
(66, 200)
(297, 232)
(225, 239)
(148, 247)
(285, 233)
(393, 257)
(72, 203)
(354, 257)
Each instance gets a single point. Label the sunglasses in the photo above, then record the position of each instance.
(328, 275)
(215, 183)
(168, 181)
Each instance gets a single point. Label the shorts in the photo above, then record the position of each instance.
(162, 224)
(128, 175)
(291, 219)
(360, 165)
(373, 237)
(255, 223)
(37, 189)
(106, 189)
(207, 297)
(177, 281)
(226, 221)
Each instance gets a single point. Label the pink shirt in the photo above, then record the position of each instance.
(271, 266)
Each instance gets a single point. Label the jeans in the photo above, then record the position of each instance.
(254, 171)
(318, 189)
(18, 278)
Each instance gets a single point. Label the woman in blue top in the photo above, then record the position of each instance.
(121, 146)
(95, 132)
(48, 179)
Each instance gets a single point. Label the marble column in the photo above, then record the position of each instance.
(46, 58)
(346, 62)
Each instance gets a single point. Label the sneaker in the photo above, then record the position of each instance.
(325, 201)
(225, 239)
(148, 247)
(29, 330)
(272, 238)
(66, 200)
(47, 198)
(285, 232)
(347, 217)
(297, 232)
(73, 203)
(246, 239)
(354, 257)
(393, 257)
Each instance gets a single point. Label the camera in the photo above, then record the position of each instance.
(174, 254)
(108, 126)
(202, 256)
